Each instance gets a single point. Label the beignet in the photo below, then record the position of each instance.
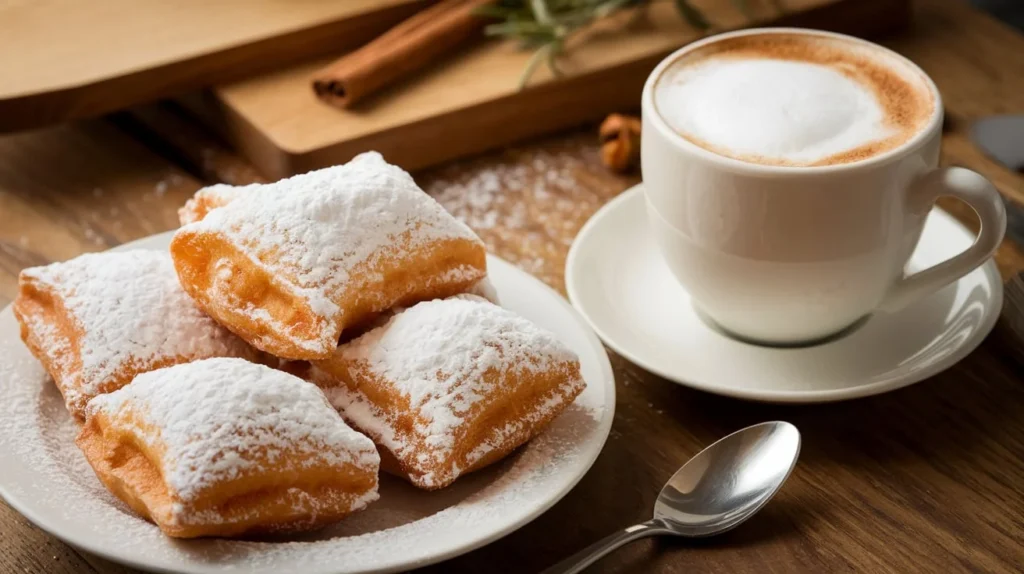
(224, 447)
(209, 198)
(449, 386)
(98, 320)
(297, 261)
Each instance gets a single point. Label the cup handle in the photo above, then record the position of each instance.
(982, 197)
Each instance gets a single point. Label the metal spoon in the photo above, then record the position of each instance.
(715, 491)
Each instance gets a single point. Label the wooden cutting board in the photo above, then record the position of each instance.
(470, 102)
(63, 59)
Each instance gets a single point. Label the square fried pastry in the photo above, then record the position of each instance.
(225, 447)
(449, 386)
(98, 320)
(297, 261)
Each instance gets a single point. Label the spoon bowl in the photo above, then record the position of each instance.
(706, 497)
(715, 491)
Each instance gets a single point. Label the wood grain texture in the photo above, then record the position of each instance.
(1011, 325)
(172, 131)
(470, 103)
(63, 60)
(26, 548)
(73, 189)
(924, 479)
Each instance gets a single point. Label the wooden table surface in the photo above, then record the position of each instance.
(925, 479)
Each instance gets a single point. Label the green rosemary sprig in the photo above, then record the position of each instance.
(544, 25)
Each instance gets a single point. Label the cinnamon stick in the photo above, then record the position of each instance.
(398, 52)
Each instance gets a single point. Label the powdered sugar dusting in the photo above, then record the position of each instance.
(209, 198)
(500, 436)
(490, 198)
(215, 420)
(461, 338)
(45, 473)
(528, 204)
(436, 354)
(313, 229)
(132, 312)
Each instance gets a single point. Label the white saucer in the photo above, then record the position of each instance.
(46, 478)
(616, 278)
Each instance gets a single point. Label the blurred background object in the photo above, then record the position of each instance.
(1002, 139)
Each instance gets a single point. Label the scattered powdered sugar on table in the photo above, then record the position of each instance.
(131, 312)
(91, 235)
(527, 205)
(315, 228)
(218, 419)
(494, 197)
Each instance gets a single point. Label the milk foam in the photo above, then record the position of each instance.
(781, 110)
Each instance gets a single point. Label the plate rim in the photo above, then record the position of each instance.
(603, 430)
(634, 193)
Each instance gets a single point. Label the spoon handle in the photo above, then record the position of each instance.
(577, 562)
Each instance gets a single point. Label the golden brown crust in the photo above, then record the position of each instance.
(226, 284)
(264, 454)
(520, 406)
(55, 336)
(293, 263)
(128, 471)
(229, 285)
(36, 308)
(207, 199)
(39, 309)
(449, 386)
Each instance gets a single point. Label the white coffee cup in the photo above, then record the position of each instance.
(786, 254)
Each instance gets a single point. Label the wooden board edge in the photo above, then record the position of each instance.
(234, 129)
(554, 106)
(230, 64)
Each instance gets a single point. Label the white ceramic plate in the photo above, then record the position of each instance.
(46, 478)
(617, 279)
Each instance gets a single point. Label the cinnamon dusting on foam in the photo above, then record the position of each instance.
(901, 91)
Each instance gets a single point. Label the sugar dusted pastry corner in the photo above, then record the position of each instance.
(449, 386)
(297, 261)
(98, 320)
(209, 198)
(224, 447)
